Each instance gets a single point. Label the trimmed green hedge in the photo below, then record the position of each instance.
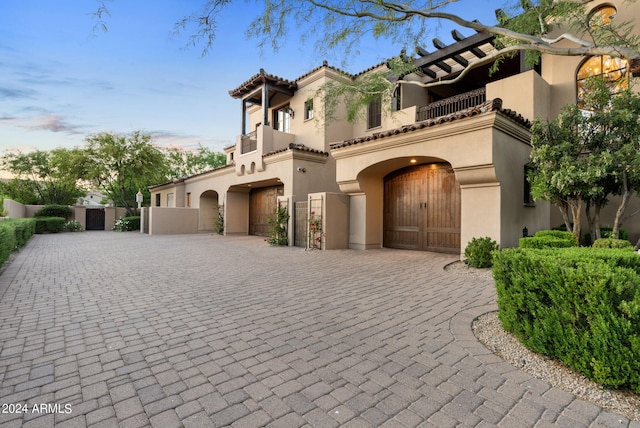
(54, 211)
(549, 239)
(49, 224)
(14, 234)
(578, 305)
(613, 243)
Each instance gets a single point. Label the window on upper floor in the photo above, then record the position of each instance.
(614, 70)
(282, 119)
(374, 114)
(308, 109)
(157, 199)
(602, 15)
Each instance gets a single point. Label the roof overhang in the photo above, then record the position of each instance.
(252, 90)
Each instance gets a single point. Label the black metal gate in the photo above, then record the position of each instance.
(95, 219)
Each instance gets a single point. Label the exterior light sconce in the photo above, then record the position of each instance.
(301, 169)
(525, 232)
(289, 111)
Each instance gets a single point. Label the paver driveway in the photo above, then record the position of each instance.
(121, 329)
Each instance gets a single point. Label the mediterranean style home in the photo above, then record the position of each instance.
(446, 166)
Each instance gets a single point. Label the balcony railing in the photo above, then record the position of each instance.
(249, 143)
(451, 105)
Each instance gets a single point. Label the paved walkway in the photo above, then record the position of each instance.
(108, 329)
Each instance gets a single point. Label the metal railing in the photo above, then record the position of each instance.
(249, 143)
(451, 105)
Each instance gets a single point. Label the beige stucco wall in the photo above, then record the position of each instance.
(14, 209)
(165, 220)
(78, 213)
(335, 218)
(487, 153)
(527, 93)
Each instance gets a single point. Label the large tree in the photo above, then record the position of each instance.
(532, 27)
(617, 131)
(122, 165)
(184, 163)
(588, 154)
(563, 169)
(526, 25)
(43, 177)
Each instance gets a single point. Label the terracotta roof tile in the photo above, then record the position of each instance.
(300, 147)
(259, 79)
(491, 105)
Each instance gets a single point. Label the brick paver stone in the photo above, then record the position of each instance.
(106, 329)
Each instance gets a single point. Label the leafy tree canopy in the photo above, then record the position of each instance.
(43, 177)
(184, 163)
(122, 165)
(585, 156)
(534, 27)
(526, 25)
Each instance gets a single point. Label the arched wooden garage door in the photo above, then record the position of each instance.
(262, 207)
(422, 209)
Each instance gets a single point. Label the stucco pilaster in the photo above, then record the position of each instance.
(481, 203)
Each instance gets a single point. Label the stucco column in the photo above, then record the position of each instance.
(363, 231)
(80, 215)
(481, 204)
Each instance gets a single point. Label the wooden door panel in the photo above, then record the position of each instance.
(422, 209)
(262, 207)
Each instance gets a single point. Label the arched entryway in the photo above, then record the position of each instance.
(422, 208)
(208, 210)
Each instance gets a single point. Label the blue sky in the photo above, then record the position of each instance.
(61, 81)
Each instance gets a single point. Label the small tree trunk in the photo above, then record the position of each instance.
(623, 206)
(576, 208)
(591, 219)
(564, 210)
(596, 221)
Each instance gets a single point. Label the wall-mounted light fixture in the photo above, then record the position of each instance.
(289, 111)
(301, 169)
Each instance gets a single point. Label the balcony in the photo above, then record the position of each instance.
(249, 143)
(253, 146)
(451, 105)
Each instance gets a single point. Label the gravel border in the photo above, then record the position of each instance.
(488, 329)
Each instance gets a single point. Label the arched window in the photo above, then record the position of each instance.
(602, 16)
(614, 70)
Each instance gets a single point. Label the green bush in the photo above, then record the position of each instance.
(278, 227)
(14, 234)
(579, 305)
(54, 211)
(127, 224)
(218, 222)
(606, 232)
(613, 243)
(549, 239)
(541, 242)
(557, 234)
(73, 226)
(49, 224)
(479, 252)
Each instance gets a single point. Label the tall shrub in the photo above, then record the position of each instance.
(579, 305)
(54, 211)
